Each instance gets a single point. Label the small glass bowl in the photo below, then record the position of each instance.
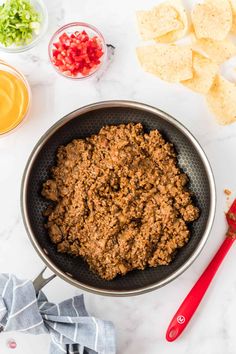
(9, 68)
(71, 28)
(42, 10)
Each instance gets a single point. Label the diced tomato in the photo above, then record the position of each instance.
(58, 63)
(64, 37)
(55, 52)
(68, 60)
(56, 45)
(67, 72)
(77, 53)
(60, 56)
(62, 68)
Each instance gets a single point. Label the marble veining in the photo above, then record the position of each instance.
(140, 321)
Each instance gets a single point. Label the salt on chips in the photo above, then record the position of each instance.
(222, 100)
(157, 22)
(217, 51)
(169, 62)
(165, 22)
(212, 19)
(181, 32)
(204, 72)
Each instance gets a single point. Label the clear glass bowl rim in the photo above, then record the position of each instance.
(77, 24)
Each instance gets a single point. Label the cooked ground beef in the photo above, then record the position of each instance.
(121, 200)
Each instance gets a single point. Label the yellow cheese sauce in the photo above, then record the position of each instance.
(14, 101)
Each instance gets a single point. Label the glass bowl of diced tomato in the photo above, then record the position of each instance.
(77, 50)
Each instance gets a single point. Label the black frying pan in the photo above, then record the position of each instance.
(83, 123)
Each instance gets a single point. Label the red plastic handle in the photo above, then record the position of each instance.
(194, 297)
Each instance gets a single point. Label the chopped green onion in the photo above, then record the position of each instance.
(19, 21)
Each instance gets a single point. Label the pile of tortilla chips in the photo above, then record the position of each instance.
(196, 66)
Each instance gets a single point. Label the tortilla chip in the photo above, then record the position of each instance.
(222, 100)
(204, 73)
(174, 35)
(159, 21)
(169, 62)
(217, 51)
(233, 7)
(212, 19)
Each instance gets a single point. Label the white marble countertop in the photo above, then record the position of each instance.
(140, 321)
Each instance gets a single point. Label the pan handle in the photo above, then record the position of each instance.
(40, 281)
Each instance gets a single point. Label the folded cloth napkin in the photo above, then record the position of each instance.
(72, 330)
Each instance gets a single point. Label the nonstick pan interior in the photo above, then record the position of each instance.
(81, 124)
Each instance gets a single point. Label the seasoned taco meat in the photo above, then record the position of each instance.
(119, 200)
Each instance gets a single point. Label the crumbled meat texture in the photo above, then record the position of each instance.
(121, 200)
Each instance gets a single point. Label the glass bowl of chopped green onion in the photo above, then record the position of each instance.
(22, 24)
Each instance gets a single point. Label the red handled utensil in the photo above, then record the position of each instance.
(190, 304)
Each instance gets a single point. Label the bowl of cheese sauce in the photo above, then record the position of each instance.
(15, 98)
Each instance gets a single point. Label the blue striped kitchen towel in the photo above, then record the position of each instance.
(72, 330)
